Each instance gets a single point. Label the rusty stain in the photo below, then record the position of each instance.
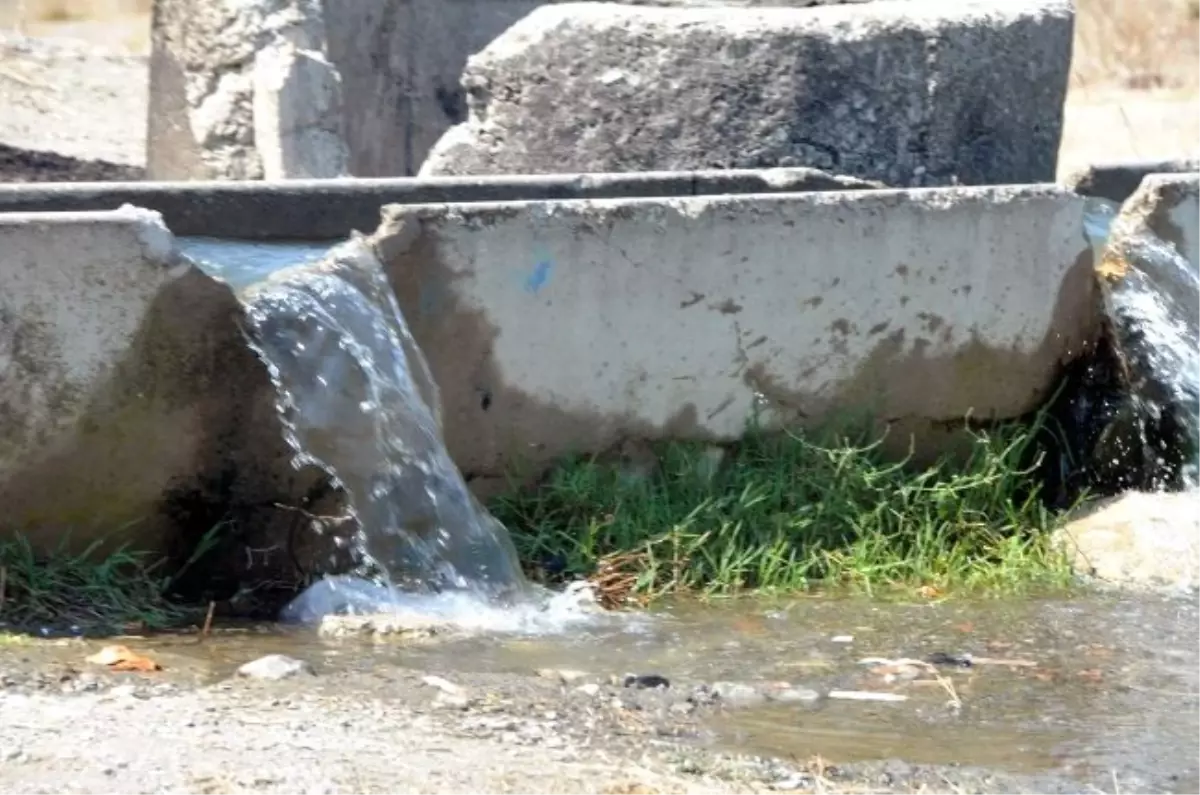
(692, 300)
(1113, 267)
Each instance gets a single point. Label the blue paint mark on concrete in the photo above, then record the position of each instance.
(541, 274)
(428, 298)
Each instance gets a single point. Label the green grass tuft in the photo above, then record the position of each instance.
(84, 592)
(787, 511)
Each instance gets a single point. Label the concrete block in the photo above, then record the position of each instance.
(1118, 181)
(910, 94)
(130, 396)
(556, 327)
(401, 63)
(298, 114)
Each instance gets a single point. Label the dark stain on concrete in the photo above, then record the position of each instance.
(727, 307)
(692, 300)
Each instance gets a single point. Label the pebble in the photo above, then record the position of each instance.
(445, 685)
(564, 675)
(589, 689)
(738, 694)
(794, 695)
(275, 666)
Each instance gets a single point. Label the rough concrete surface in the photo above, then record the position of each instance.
(400, 63)
(1168, 207)
(565, 326)
(906, 93)
(298, 114)
(130, 394)
(1117, 181)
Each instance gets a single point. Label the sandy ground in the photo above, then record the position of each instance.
(66, 97)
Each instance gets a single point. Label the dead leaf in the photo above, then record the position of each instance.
(929, 592)
(121, 658)
(998, 645)
(965, 626)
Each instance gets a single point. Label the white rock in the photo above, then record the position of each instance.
(275, 666)
(1138, 540)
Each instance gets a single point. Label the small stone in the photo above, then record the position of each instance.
(445, 685)
(451, 700)
(564, 675)
(842, 639)
(589, 689)
(738, 694)
(794, 781)
(123, 691)
(275, 666)
(791, 694)
(647, 681)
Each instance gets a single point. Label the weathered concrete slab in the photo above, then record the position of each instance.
(907, 93)
(401, 61)
(555, 327)
(130, 399)
(331, 209)
(1117, 181)
(298, 114)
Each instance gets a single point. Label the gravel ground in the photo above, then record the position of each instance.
(74, 728)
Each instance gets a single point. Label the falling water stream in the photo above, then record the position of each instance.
(356, 399)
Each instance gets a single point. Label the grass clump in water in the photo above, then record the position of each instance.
(83, 592)
(786, 511)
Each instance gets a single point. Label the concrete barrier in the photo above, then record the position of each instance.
(132, 411)
(1118, 181)
(331, 209)
(555, 327)
(1167, 206)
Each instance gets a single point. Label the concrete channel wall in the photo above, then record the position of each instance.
(558, 326)
(330, 209)
(552, 326)
(128, 395)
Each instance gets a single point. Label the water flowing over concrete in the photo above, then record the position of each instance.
(356, 399)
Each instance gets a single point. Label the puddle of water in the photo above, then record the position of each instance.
(1115, 686)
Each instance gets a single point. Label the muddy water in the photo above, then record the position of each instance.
(1086, 687)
